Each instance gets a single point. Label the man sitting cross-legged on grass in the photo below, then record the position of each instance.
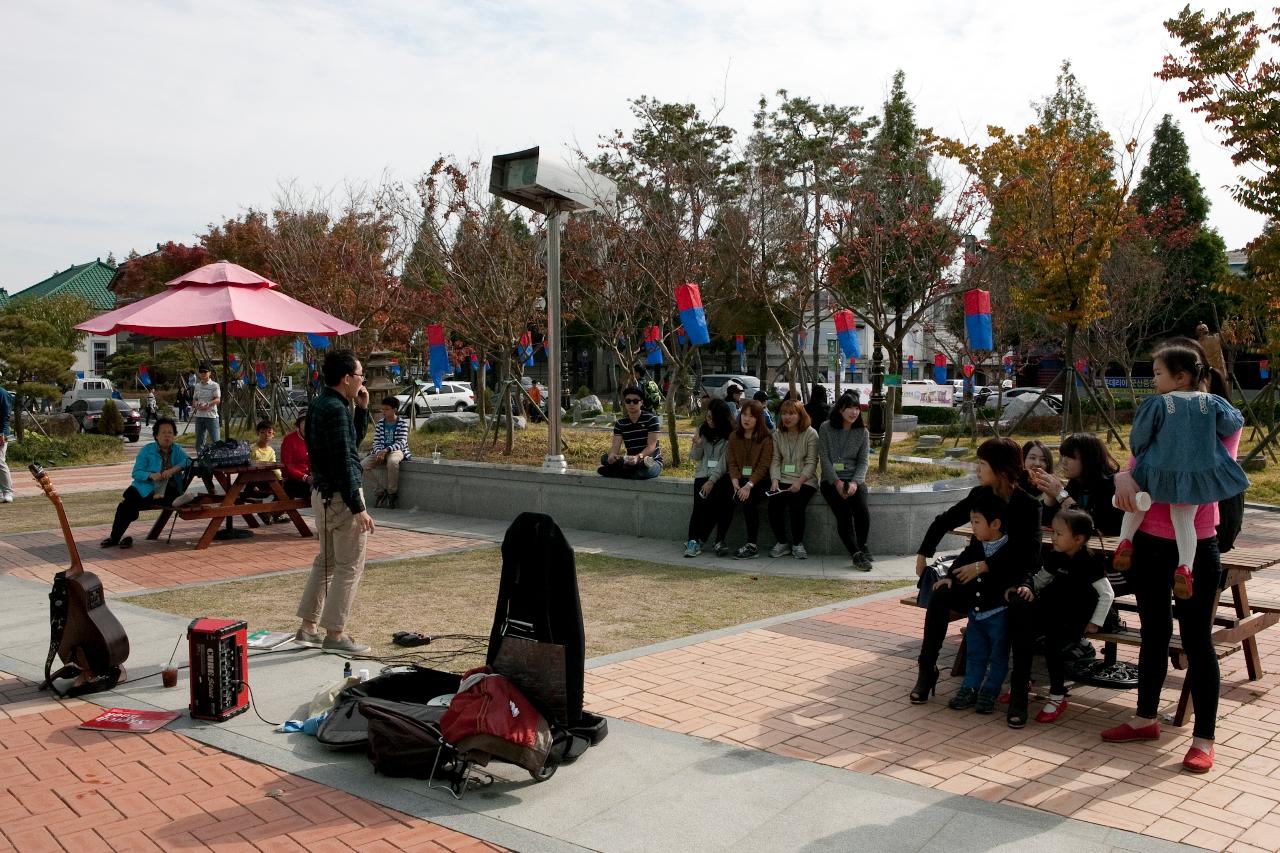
(390, 448)
(636, 432)
(158, 475)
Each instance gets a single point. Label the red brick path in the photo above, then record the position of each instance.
(160, 564)
(833, 689)
(66, 789)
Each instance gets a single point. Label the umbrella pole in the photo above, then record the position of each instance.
(226, 384)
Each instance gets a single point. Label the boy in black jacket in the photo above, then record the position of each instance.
(984, 570)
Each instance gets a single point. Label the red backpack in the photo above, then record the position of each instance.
(490, 718)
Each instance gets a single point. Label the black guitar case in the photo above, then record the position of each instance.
(537, 639)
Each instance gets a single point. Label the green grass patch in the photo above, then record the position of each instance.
(84, 509)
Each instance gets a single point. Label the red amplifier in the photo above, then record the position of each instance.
(219, 668)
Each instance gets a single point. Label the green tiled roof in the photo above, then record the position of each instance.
(88, 281)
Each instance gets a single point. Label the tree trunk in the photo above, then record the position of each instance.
(672, 436)
(1069, 383)
(891, 394)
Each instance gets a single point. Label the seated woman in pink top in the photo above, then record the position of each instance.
(296, 462)
(1155, 559)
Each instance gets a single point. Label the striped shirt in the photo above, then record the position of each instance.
(392, 436)
(635, 434)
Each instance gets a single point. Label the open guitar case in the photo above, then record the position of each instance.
(537, 639)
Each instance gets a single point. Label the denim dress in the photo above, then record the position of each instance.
(1177, 439)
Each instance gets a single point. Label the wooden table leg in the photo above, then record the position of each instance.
(158, 527)
(277, 488)
(1252, 660)
(229, 499)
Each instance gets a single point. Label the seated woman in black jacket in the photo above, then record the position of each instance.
(1090, 470)
(999, 471)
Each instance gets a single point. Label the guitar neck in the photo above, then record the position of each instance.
(52, 494)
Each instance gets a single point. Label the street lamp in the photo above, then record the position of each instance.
(555, 189)
(877, 393)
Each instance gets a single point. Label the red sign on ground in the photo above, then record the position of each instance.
(129, 720)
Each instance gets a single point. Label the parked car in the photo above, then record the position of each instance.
(450, 397)
(85, 389)
(715, 384)
(1054, 401)
(88, 412)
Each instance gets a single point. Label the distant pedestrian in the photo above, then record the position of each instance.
(149, 407)
(342, 523)
(206, 396)
(6, 481)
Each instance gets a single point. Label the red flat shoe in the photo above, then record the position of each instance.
(1003, 698)
(1047, 716)
(1126, 733)
(1122, 559)
(1198, 761)
(1182, 583)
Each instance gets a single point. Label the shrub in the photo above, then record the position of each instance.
(65, 450)
(111, 423)
(583, 391)
(932, 414)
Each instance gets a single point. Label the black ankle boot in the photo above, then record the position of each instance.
(926, 684)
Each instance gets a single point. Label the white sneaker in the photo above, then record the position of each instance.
(799, 552)
(6, 498)
(782, 549)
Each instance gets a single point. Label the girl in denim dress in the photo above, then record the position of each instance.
(1177, 444)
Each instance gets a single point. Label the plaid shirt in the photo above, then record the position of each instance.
(333, 442)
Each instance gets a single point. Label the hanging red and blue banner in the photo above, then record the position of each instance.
(437, 354)
(234, 364)
(1264, 368)
(940, 369)
(1008, 365)
(847, 332)
(144, 376)
(911, 365)
(475, 364)
(977, 320)
(394, 368)
(682, 339)
(689, 304)
(318, 341)
(526, 349)
(653, 345)
(546, 345)
(802, 338)
(739, 343)
(260, 374)
(315, 374)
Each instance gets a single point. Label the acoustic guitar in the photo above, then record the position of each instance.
(85, 634)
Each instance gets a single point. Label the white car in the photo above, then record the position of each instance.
(450, 397)
(715, 384)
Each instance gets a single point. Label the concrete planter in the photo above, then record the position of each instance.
(656, 509)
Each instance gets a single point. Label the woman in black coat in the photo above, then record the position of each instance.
(999, 471)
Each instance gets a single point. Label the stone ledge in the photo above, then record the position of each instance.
(656, 509)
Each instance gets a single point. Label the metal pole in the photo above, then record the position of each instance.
(877, 393)
(554, 460)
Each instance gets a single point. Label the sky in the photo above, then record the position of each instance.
(133, 123)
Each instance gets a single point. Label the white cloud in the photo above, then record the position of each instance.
(134, 123)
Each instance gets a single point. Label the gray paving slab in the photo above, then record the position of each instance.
(641, 789)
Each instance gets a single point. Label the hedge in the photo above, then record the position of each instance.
(65, 451)
(932, 414)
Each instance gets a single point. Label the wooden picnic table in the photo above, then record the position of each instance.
(1238, 630)
(234, 479)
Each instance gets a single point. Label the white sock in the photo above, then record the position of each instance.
(1054, 701)
(1130, 524)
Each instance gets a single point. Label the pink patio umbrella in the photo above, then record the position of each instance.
(219, 298)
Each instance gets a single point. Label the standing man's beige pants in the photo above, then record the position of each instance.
(335, 573)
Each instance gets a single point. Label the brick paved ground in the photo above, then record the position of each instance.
(833, 689)
(160, 564)
(62, 788)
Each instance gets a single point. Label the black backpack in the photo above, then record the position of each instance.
(346, 726)
(404, 738)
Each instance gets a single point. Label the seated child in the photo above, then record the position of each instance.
(980, 576)
(261, 450)
(1076, 596)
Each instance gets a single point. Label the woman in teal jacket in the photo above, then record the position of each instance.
(158, 477)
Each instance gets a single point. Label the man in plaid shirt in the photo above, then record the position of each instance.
(342, 523)
(390, 448)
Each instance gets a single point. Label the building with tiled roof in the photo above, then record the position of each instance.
(89, 282)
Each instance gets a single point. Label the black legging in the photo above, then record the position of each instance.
(131, 506)
(750, 509)
(789, 504)
(1060, 619)
(709, 512)
(853, 520)
(297, 488)
(1151, 578)
(942, 603)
